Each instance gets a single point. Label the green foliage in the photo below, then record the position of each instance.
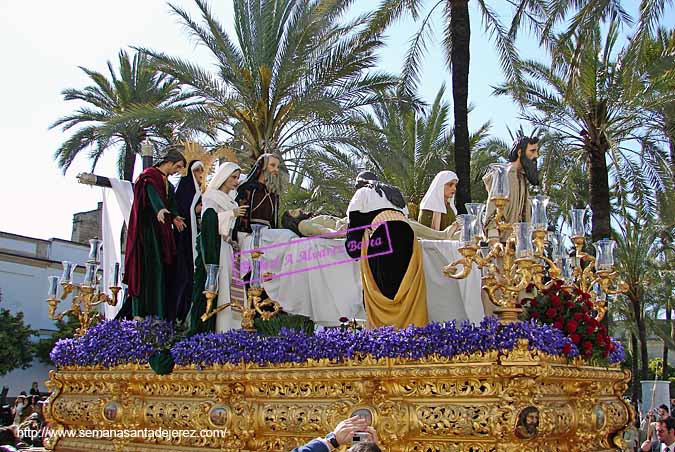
(119, 112)
(273, 326)
(290, 78)
(15, 336)
(64, 329)
(656, 370)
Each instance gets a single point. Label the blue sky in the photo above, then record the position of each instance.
(43, 47)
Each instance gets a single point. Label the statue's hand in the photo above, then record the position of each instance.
(160, 215)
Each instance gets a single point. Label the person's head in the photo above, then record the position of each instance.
(663, 412)
(23, 393)
(441, 193)
(364, 447)
(449, 189)
(524, 153)
(172, 161)
(197, 169)
(529, 420)
(35, 385)
(225, 179)
(291, 220)
(665, 430)
(364, 178)
(268, 167)
(8, 436)
(231, 183)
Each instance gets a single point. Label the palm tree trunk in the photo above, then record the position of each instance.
(459, 55)
(635, 390)
(665, 344)
(132, 149)
(642, 335)
(599, 188)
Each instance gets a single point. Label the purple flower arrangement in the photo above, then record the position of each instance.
(112, 343)
(119, 342)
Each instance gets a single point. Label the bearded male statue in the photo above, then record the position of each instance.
(522, 170)
(260, 193)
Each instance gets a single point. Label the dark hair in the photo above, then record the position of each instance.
(290, 222)
(364, 177)
(365, 447)
(172, 153)
(668, 423)
(664, 407)
(521, 145)
(8, 436)
(523, 414)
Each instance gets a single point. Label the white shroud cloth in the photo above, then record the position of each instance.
(117, 202)
(318, 279)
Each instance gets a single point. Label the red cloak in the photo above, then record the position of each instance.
(133, 260)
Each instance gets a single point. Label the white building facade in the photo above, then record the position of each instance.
(25, 264)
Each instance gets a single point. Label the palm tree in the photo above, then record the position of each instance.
(456, 40)
(596, 112)
(105, 121)
(403, 147)
(658, 69)
(290, 80)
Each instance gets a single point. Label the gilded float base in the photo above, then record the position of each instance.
(519, 402)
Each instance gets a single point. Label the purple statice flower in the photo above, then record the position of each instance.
(618, 354)
(112, 342)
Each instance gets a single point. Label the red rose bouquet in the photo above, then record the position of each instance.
(571, 311)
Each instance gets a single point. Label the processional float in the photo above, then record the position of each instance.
(516, 399)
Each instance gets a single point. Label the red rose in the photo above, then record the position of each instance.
(578, 316)
(567, 349)
(584, 309)
(569, 305)
(575, 338)
(558, 324)
(605, 354)
(588, 354)
(534, 303)
(535, 315)
(571, 326)
(589, 304)
(555, 300)
(590, 329)
(551, 312)
(588, 345)
(611, 347)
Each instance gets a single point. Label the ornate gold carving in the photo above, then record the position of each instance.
(468, 403)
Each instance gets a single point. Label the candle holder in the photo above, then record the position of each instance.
(266, 308)
(521, 262)
(85, 296)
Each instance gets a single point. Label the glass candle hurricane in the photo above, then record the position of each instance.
(500, 181)
(523, 232)
(68, 270)
(53, 287)
(476, 209)
(577, 222)
(539, 218)
(466, 222)
(604, 252)
(212, 273)
(95, 250)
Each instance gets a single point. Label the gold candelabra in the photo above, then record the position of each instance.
(85, 296)
(255, 304)
(519, 264)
